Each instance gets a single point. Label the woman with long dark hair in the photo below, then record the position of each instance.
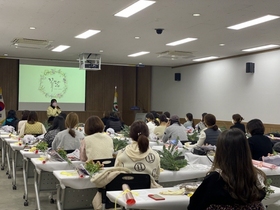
(233, 182)
(57, 126)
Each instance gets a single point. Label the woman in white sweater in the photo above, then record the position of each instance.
(138, 156)
(97, 144)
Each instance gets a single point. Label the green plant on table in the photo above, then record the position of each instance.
(63, 154)
(93, 167)
(268, 189)
(42, 146)
(125, 131)
(193, 137)
(170, 158)
(119, 144)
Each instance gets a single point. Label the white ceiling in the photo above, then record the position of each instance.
(61, 20)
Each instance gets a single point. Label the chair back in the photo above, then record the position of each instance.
(107, 162)
(134, 181)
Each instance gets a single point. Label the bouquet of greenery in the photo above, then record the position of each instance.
(119, 144)
(125, 131)
(193, 137)
(170, 158)
(42, 146)
(91, 167)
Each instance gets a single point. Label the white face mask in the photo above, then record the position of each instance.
(233, 122)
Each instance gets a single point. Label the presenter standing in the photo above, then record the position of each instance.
(53, 110)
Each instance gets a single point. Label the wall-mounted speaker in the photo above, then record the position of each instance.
(250, 67)
(177, 76)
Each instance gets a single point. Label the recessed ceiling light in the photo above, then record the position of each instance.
(60, 48)
(134, 8)
(101, 51)
(222, 45)
(182, 41)
(5, 54)
(87, 34)
(261, 48)
(253, 22)
(138, 54)
(137, 37)
(16, 44)
(205, 58)
(32, 28)
(196, 14)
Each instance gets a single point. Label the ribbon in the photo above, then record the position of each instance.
(128, 201)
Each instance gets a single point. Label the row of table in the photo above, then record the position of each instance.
(76, 192)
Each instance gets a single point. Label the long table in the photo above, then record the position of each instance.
(178, 202)
(44, 180)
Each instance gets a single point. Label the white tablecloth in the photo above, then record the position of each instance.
(177, 202)
(159, 148)
(191, 171)
(198, 159)
(70, 178)
(16, 146)
(154, 143)
(51, 166)
(27, 154)
(10, 140)
(270, 172)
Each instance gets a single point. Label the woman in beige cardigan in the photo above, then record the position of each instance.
(97, 144)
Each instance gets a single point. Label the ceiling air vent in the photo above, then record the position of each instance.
(175, 54)
(31, 43)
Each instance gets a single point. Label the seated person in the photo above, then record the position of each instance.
(151, 122)
(236, 121)
(57, 126)
(208, 135)
(138, 156)
(68, 139)
(201, 125)
(233, 182)
(260, 145)
(96, 144)
(174, 130)
(159, 130)
(32, 126)
(189, 121)
(23, 119)
(114, 122)
(11, 119)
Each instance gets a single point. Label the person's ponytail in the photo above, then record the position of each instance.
(143, 143)
(72, 132)
(215, 127)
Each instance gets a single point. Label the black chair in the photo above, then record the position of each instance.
(134, 181)
(107, 162)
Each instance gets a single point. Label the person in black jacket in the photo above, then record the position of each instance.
(236, 121)
(114, 122)
(260, 145)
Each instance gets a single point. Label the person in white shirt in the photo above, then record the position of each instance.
(150, 122)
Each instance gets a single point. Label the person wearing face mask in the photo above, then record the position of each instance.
(53, 110)
(236, 121)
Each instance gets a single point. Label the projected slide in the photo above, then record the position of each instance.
(39, 84)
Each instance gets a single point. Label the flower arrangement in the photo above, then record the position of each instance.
(93, 167)
(170, 158)
(119, 144)
(42, 146)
